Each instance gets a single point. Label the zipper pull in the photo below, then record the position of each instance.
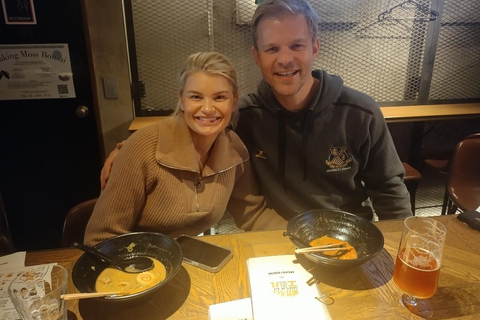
(197, 184)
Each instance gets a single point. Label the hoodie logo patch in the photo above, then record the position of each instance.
(261, 154)
(338, 159)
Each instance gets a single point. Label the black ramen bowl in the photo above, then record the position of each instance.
(362, 234)
(156, 245)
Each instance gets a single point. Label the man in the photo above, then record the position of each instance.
(313, 142)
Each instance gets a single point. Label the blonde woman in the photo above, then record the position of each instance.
(180, 176)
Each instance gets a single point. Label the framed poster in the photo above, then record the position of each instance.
(19, 12)
(35, 71)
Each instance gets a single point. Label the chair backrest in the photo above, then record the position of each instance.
(473, 136)
(76, 222)
(464, 174)
(6, 243)
(441, 161)
(466, 159)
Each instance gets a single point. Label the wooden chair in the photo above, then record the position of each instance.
(76, 222)
(463, 183)
(411, 180)
(6, 243)
(441, 164)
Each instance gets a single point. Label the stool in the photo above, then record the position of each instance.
(441, 166)
(411, 180)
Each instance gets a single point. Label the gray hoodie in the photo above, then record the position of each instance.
(336, 153)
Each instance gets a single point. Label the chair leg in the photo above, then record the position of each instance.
(412, 189)
(445, 202)
(452, 208)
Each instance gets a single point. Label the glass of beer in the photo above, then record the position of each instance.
(417, 266)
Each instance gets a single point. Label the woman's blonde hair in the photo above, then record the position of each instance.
(212, 63)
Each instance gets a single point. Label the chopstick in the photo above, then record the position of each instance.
(313, 250)
(73, 296)
(324, 248)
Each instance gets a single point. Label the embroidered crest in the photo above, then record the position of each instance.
(338, 158)
(261, 154)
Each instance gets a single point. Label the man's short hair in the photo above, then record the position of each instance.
(277, 8)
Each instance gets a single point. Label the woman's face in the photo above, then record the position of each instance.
(207, 102)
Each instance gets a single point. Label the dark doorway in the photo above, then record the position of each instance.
(50, 156)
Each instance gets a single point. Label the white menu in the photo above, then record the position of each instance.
(10, 267)
(279, 290)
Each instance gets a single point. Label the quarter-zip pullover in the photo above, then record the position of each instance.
(156, 185)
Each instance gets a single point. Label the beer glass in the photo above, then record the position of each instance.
(417, 266)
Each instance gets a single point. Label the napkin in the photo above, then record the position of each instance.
(232, 310)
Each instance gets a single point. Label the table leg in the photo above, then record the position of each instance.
(414, 156)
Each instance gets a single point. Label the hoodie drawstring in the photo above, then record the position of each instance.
(282, 141)
(307, 129)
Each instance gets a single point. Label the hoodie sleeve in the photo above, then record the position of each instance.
(383, 173)
(248, 207)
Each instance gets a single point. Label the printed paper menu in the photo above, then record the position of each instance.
(279, 290)
(10, 267)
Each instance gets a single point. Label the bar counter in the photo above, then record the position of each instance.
(359, 293)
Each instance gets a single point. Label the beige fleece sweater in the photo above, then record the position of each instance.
(156, 185)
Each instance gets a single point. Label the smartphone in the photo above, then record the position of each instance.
(472, 218)
(202, 254)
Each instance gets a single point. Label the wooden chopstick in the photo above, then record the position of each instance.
(73, 296)
(331, 245)
(308, 250)
(324, 248)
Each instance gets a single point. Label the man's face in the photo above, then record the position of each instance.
(285, 55)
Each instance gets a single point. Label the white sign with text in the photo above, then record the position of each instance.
(35, 71)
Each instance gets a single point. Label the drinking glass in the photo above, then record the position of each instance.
(417, 266)
(36, 293)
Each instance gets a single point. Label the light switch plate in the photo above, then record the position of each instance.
(110, 87)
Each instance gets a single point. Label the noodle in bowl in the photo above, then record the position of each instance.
(362, 234)
(160, 247)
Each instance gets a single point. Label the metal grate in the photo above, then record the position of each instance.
(457, 62)
(166, 33)
(376, 46)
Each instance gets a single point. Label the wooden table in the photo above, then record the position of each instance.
(431, 112)
(391, 113)
(418, 114)
(361, 293)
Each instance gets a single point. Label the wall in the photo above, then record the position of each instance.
(386, 59)
(109, 58)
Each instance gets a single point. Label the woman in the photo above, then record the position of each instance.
(180, 176)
